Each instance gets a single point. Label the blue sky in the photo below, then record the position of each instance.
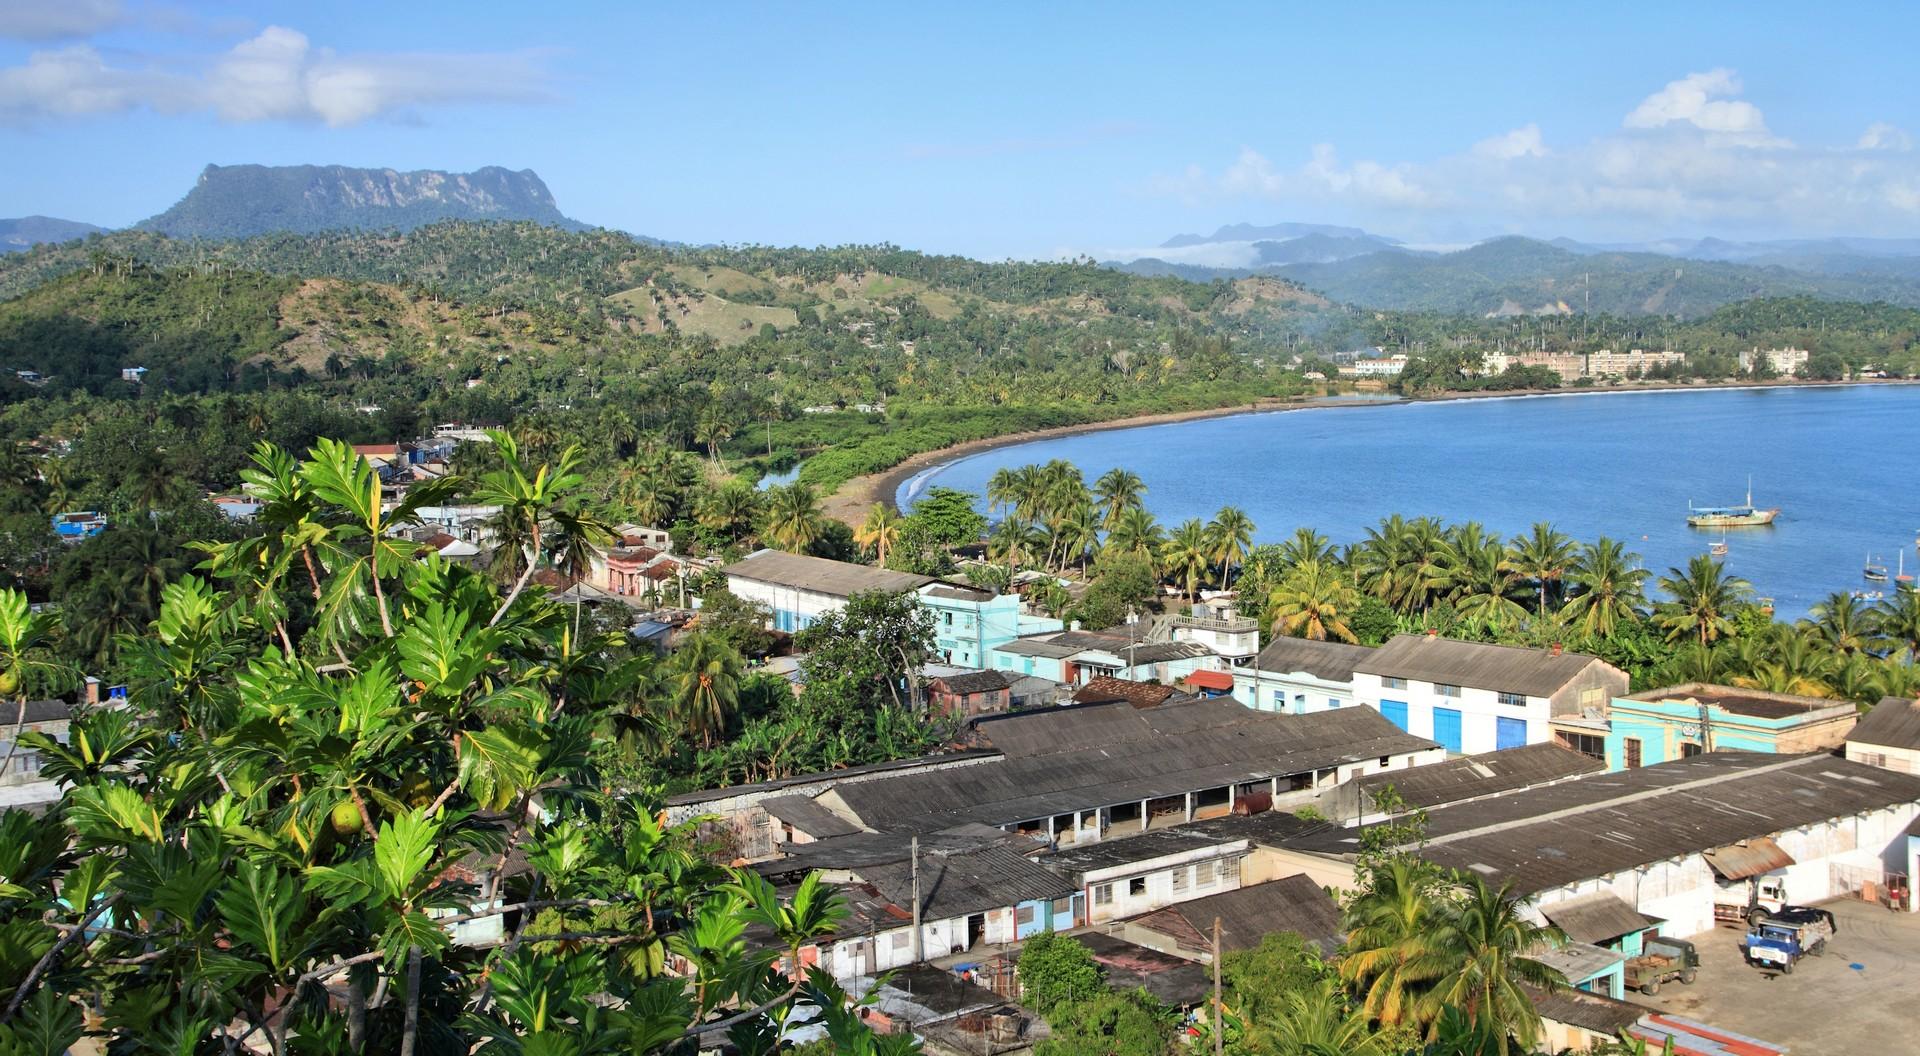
(999, 130)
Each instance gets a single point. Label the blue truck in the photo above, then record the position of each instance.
(1780, 939)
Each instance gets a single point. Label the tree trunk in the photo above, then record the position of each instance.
(13, 743)
(411, 1032)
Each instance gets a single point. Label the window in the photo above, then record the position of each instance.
(1386, 761)
(1103, 894)
(1871, 758)
(1023, 915)
(1332, 703)
(1137, 887)
(1633, 753)
(1062, 907)
(1226, 869)
(948, 616)
(1393, 683)
(1587, 744)
(1512, 700)
(1689, 749)
(900, 940)
(1180, 876)
(1279, 700)
(1445, 690)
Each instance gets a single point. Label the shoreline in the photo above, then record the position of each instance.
(849, 503)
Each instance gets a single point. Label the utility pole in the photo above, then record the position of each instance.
(913, 851)
(1219, 1010)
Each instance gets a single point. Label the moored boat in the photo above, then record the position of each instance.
(1743, 516)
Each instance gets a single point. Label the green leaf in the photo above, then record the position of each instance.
(498, 763)
(403, 850)
(48, 1025)
(260, 907)
(411, 929)
(112, 814)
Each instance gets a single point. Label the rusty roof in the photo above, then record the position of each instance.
(1754, 857)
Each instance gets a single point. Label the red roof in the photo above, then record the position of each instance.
(663, 570)
(1104, 688)
(376, 449)
(440, 540)
(1219, 680)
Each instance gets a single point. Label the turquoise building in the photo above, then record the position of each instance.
(1677, 722)
(969, 623)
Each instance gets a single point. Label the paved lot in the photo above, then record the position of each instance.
(1856, 998)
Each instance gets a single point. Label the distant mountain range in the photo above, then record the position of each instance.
(21, 232)
(238, 201)
(1514, 275)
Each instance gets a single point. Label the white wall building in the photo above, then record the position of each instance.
(1784, 361)
(1889, 737)
(1124, 878)
(1299, 677)
(1473, 697)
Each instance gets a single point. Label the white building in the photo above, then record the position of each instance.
(801, 589)
(1299, 677)
(1124, 878)
(1889, 737)
(1607, 363)
(1384, 367)
(1219, 626)
(1473, 697)
(1785, 361)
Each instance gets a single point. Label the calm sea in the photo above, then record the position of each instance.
(1618, 464)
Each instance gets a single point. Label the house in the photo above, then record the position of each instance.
(1124, 878)
(1785, 362)
(133, 374)
(970, 693)
(1209, 684)
(1078, 657)
(1475, 697)
(1298, 675)
(74, 527)
(1126, 966)
(1105, 689)
(51, 717)
(1685, 720)
(1247, 915)
(31, 377)
(1889, 737)
(237, 508)
(1218, 625)
(968, 622)
(1666, 839)
(1072, 774)
(1593, 969)
(636, 535)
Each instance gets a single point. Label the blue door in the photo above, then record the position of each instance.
(1510, 733)
(1446, 728)
(1395, 711)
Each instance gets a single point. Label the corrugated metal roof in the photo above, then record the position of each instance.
(1502, 668)
(808, 816)
(1578, 1008)
(1290, 904)
(1578, 961)
(1755, 857)
(1333, 661)
(1175, 981)
(1485, 774)
(1598, 918)
(838, 578)
(958, 883)
(1893, 723)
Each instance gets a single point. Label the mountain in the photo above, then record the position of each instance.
(1270, 233)
(238, 201)
(21, 232)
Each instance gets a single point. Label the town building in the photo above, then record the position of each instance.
(1889, 737)
(1079, 657)
(133, 374)
(1673, 839)
(1124, 878)
(1476, 697)
(74, 527)
(971, 693)
(50, 717)
(1219, 627)
(1247, 915)
(1072, 775)
(1785, 362)
(1299, 676)
(1571, 366)
(1461, 778)
(1607, 363)
(1376, 366)
(1685, 720)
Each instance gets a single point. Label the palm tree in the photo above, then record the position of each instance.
(1116, 492)
(713, 429)
(1843, 624)
(1231, 534)
(1425, 543)
(1306, 545)
(1136, 532)
(1543, 557)
(1186, 554)
(702, 679)
(1389, 957)
(577, 542)
(1013, 541)
(1898, 620)
(1704, 598)
(1797, 664)
(1609, 588)
(1313, 601)
(1078, 534)
(792, 519)
(1490, 948)
(729, 510)
(1696, 663)
(1473, 573)
(1313, 1022)
(879, 531)
(526, 499)
(1384, 567)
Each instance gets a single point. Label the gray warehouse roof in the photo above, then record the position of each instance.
(1485, 774)
(1893, 723)
(1550, 835)
(817, 574)
(1059, 760)
(1503, 668)
(1247, 915)
(1333, 661)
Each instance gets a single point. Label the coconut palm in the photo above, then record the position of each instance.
(702, 681)
(1313, 600)
(1794, 663)
(1231, 534)
(879, 531)
(1078, 535)
(713, 429)
(1473, 574)
(1490, 947)
(1697, 663)
(1383, 566)
(1186, 555)
(1306, 545)
(577, 542)
(1704, 598)
(1842, 623)
(1116, 492)
(1015, 542)
(1898, 620)
(1313, 1022)
(1542, 557)
(729, 510)
(1136, 532)
(792, 518)
(1425, 542)
(1389, 959)
(1608, 588)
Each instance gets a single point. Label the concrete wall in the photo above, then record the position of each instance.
(1480, 711)
(1298, 691)
(1898, 760)
(1201, 879)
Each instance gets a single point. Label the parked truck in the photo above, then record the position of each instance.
(1663, 959)
(1780, 940)
(1749, 901)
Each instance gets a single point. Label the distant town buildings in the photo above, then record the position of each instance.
(1784, 361)
(1572, 366)
(1376, 367)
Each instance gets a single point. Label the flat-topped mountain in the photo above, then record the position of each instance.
(237, 201)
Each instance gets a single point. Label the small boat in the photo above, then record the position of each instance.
(1865, 595)
(1901, 577)
(1744, 516)
(1718, 549)
(1873, 573)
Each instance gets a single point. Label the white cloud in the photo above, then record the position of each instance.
(1883, 136)
(1692, 156)
(277, 75)
(57, 19)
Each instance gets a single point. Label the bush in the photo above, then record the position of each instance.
(1055, 971)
